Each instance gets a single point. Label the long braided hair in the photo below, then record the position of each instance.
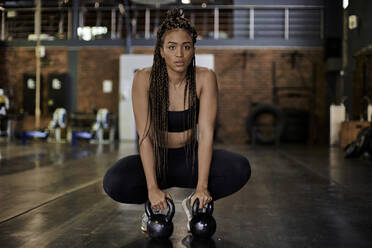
(159, 94)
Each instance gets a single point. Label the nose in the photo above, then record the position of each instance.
(179, 52)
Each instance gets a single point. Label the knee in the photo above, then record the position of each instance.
(119, 191)
(111, 184)
(236, 174)
(120, 188)
(243, 167)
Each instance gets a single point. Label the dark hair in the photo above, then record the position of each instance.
(159, 93)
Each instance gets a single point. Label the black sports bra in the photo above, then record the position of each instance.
(177, 119)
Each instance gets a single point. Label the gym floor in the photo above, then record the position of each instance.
(296, 197)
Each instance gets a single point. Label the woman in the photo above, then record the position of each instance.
(170, 99)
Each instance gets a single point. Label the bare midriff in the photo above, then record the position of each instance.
(180, 139)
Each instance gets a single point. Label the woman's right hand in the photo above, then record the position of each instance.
(157, 199)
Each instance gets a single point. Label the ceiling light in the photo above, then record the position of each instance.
(345, 3)
(186, 1)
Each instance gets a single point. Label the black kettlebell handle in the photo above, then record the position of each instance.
(195, 207)
(170, 213)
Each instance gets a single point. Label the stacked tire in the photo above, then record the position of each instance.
(254, 127)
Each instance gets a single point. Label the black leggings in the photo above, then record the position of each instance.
(125, 181)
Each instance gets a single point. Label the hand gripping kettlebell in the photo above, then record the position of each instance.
(160, 226)
(202, 225)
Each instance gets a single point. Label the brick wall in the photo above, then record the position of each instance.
(94, 66)
(244, 78)
(17, 61)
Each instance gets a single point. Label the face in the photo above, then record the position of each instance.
(177, 50)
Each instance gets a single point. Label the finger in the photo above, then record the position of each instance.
(164, 205)
(199, 199)
(158, 206)
(168, 196)
(155, 207)
(202, 203)
(205, 202)
(192, 200)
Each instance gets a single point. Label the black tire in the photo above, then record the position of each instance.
(352, 151)
(259, 110)
(360, 145)
(363, 139)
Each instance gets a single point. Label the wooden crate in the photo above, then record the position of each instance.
(349, 131)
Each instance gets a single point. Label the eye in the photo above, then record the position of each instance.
(172, 47)
(187, 47)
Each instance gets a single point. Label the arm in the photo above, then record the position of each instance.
(141, 116)
(140, 98)
(207, 118)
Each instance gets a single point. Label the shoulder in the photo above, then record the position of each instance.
(143, 73)
(204, 73)
(142, 78)
(206, 77)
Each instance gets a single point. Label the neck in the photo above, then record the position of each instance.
(175, 78)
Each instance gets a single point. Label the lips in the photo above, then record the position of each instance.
(179, 63)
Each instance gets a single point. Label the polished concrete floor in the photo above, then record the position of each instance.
(51, 196)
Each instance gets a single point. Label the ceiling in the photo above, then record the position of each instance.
(100, 3)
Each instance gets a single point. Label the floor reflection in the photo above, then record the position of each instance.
(150, 243)
(191, 242)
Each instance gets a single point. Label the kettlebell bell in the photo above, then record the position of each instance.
(160, 226)
(202, 225)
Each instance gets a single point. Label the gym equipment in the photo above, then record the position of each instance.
(42, 134)
(160, 226)
(360, 145)
(59, 121)
(97, 131)
(352, 150)
(266, 133)
(5, 121)
(102, 123)
(296, 100)
(202, 224)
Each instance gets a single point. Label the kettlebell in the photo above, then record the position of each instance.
(160, 226)
(202, 225)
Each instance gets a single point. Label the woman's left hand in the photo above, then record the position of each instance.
(203, 196)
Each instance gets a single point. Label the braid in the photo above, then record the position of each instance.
(191, 85)
(159, 92)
